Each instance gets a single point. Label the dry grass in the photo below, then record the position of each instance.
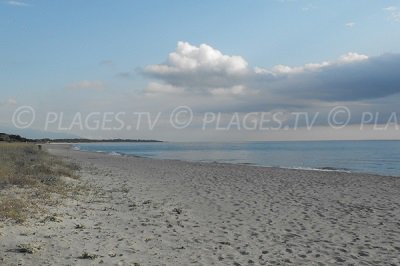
(29, 176)
(13, 208)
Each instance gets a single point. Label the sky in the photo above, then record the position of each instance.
(67, 60)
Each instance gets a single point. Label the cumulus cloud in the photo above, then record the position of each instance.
(353, 78)
(188, 58)
(352, 57)
(350, 24)
(310, 67)
(17, 3)
(206, 70)
(157, 88)
(308, 8)
(233, 90)
(12, 101)
(199, 68)
(8, 102)
(86, 85)
(282, 69)
(394, 13)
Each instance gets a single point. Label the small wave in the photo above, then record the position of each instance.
(113, 153)
(76, 148)
(328, 168)
(321, 169)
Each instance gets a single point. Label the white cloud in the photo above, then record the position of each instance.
(390, 8)
(206, 71)
(199, 69)
(344, 59)
(17, 3)
(351, 58)
(86, 85)
(308, 8)
(282, 69)
(157, 88)
(10, 101)
(350, 24)
(260, 70)
(394, 13)
(234, 90)
(189, 58)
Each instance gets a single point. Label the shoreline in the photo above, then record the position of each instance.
(145, 211)
(346, 171)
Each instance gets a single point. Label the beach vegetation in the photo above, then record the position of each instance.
(29, 178)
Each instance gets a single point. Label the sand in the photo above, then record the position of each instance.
(164, 212)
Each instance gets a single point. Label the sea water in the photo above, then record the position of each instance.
(376, 157)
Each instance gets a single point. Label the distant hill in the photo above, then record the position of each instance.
(17, 138)
(12, 138)
(37, 134)
(78, 140)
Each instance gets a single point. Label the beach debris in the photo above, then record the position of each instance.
(179, 223)
(80, 226)
(112, 254)
(125, 190)
(177, 210)
(86, 255)
(29, 248)
(52, 218)
(132, 206)
(146, 202)
(49, 180)
(224, 243)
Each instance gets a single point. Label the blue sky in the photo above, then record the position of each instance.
(48, 47)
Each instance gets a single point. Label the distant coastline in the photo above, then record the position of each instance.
(17, 138)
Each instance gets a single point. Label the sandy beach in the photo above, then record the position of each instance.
(144, 211)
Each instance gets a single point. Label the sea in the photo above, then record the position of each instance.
(375, 157)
